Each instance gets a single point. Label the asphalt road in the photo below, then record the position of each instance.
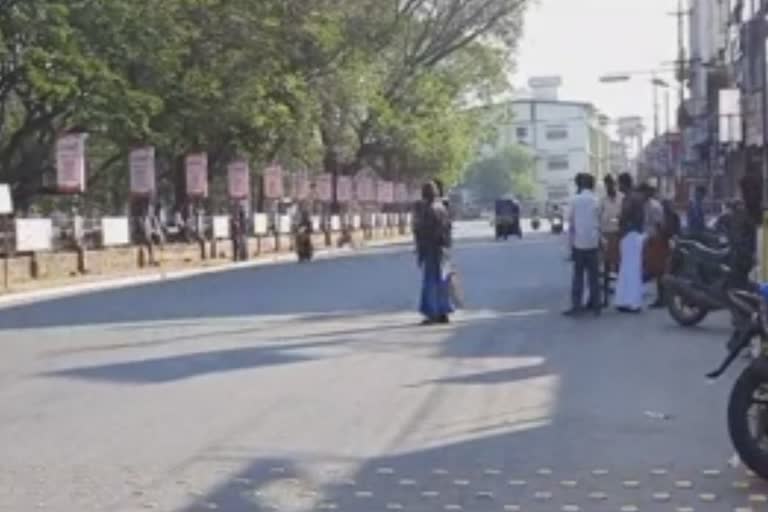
(312, 387)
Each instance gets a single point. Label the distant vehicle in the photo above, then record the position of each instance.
(507, 218)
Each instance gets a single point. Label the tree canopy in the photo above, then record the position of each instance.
(510, 171)
(333, 84)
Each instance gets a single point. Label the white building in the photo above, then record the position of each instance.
(566, 138)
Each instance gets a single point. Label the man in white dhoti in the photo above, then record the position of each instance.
(629, 286)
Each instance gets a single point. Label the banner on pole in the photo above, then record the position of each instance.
(239, 179)
(323, 187)
(401, 193)
(70, 163)
(365, 188)
(197, 175)
(6, 201)
(142, 170)
(273, 182)
(344, 189)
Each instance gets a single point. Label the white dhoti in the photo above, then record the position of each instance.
(629, 285)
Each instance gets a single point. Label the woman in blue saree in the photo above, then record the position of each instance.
(433, 240)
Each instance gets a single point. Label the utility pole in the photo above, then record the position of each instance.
(681, 14)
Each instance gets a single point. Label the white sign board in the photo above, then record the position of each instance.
(70, 163)
(260, 224)
(284, 224)
(142, 169)
(335, 223)
(6, 203)
(221, 227)
(197, 175)
(115, 231)
(33, 235)
(357, 222)
(239, 179)
(316, 223)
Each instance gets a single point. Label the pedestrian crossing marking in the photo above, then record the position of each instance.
(631, 484)
(543, 496)
(741, 484)
(661, 496)
(659, 472)
(517, 483)
(598, 496)
(430, 494)
(570, 484)
(599, 472)
(364, 494)
(544, 472)
(708, 497)
(758, 498)
(683, 484)
(629, 508)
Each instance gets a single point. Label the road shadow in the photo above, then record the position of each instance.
(593, 446)
(191, 365)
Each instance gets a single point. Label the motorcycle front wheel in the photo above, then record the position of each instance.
(748, 418)
(685, 314)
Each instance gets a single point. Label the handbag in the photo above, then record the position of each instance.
(455, 290)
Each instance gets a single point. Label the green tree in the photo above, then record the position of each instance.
(510, 171)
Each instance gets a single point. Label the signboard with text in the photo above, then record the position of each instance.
(239, 179)
(273, 182)
(324, 186)
(6, 201)
(197, 175)
(344, 188)
(70, 163)
(142, 170)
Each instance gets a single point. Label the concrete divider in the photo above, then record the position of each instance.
(115, 261)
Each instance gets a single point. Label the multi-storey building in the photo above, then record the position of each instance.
(565, 137)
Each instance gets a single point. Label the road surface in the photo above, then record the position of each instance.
(312, 387)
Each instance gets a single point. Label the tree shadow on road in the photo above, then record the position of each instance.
(190, 365)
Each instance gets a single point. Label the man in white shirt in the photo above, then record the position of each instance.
(584, 228)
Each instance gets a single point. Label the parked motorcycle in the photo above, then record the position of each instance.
(748, 402)
(557, 224)
(697, 279)
(535, 223)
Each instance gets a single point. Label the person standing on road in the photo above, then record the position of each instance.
(657, 244)
(584, 230)
(432, 244)
(610, 211)
(629, 286)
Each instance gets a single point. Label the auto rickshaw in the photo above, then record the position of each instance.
(507, 219)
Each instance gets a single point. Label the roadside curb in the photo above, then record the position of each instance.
(13, 299)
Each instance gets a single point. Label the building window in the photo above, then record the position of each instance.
(558, 163)
(558, 132)
(521, 132)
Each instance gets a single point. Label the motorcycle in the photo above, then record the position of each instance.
(697, 279)
(748, 401)
(557, 224)
(535, 223)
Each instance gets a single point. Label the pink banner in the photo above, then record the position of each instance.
(197, 175)
(142, 169)
(365, 189)
(385, 192)
(273, 182)
(239, 179)
(70, 163)
(323, 186)
(344, 188)
(300, 186)
(401, 193)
